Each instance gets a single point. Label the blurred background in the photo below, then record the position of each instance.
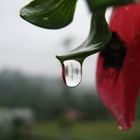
(34, 102)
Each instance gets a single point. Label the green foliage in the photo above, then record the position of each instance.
(88, 131)
(55, 14)
(98, 37)
(50, 14)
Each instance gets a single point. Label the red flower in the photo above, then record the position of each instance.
(118, 66)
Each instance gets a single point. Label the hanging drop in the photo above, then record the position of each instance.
(72, 72)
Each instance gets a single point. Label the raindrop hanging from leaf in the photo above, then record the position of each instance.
(98, 37)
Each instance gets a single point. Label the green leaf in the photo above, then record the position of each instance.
(98, 38)
(50, 14)
(98, 4)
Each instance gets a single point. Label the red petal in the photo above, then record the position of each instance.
(130, 95)
(132, 62)
(109, 85)
(118, 89)
(125, 20)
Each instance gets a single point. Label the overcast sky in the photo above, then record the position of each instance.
(31, 49)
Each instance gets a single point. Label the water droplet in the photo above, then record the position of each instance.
(71, 73)
(123, 128)
(120, 127)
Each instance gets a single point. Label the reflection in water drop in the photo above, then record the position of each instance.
(71, 73)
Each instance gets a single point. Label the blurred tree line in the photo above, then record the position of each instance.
(48, 97)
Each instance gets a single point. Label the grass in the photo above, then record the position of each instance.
(88, 131)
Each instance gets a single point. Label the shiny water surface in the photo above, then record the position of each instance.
(72, 73)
